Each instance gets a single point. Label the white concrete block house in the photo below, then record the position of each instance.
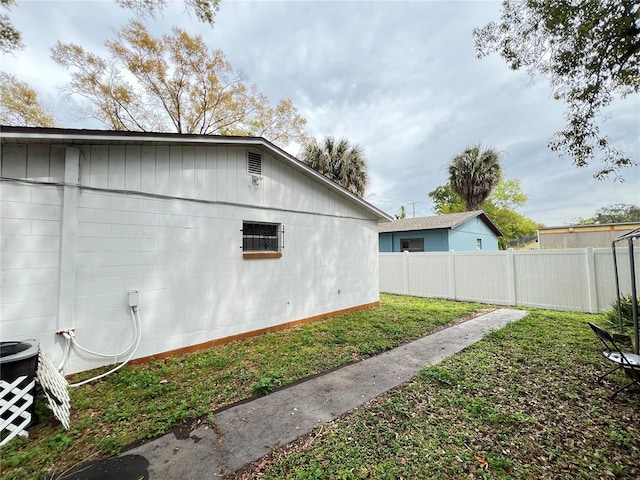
(222, 236)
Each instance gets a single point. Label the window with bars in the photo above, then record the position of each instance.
(261, 237)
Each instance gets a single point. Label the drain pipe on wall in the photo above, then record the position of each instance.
(132, 348)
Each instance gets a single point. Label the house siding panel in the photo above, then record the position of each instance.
(200, 174)
(386, 242)
(14, 161)
(56, 163)
(184, 256)
(116, 162)
(464, 237)
(38, 168)
(188, 174)
(29, 246)
(148, 169)
(163, 175)
(212, 173)
(434, 240)
(133, 159)
(176, 172)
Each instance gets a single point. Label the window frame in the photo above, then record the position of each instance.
(267, 252)
(410, 240)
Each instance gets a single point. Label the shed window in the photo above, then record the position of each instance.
(261, 240)
(479, 243)
(254, 163)
(412, 244)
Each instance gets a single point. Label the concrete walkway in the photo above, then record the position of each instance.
(247, 432)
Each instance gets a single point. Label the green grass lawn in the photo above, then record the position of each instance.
(141, 402)
(520, 404)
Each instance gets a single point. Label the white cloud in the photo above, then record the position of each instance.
(399, 78)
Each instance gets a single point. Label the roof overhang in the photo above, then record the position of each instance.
(490, 224)
(438, 222)
(62, 136)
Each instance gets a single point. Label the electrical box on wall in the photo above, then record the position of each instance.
(134, 299)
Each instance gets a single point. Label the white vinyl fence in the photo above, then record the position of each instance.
(569, 279)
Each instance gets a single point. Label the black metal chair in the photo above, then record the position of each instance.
(627, 361)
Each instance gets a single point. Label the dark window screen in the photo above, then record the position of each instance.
(412, 244)
(259, 237)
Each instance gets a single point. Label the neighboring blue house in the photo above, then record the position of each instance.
(461, 232)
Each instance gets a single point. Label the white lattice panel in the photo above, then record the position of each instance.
(54, 387)
(15, 400)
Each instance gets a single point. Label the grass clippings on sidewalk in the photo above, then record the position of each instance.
(141, 402)
(520, 404)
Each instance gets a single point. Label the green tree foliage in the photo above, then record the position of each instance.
(10, 38)
(205, 10)
(513, 224)
(617, 213)
(501, 206)
(590, 52)
(19, 104)
(173, 83)
(508, 194)
(339, 161)
(402, 214)
(473, 174)
(446, 200)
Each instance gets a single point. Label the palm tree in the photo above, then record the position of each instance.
(473, 174)
(338, 161)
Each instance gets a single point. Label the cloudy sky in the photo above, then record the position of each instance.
(401, 79)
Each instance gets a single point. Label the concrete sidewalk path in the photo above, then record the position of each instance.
(247, 432)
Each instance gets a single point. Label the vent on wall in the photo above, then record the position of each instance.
(254, 163)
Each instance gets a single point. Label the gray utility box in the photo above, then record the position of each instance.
(18, 359)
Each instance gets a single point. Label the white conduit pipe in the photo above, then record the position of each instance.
(135, 315)
(69, 335)
(109, 355)
(67, 350)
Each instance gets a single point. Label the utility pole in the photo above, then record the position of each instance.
(413, 208)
